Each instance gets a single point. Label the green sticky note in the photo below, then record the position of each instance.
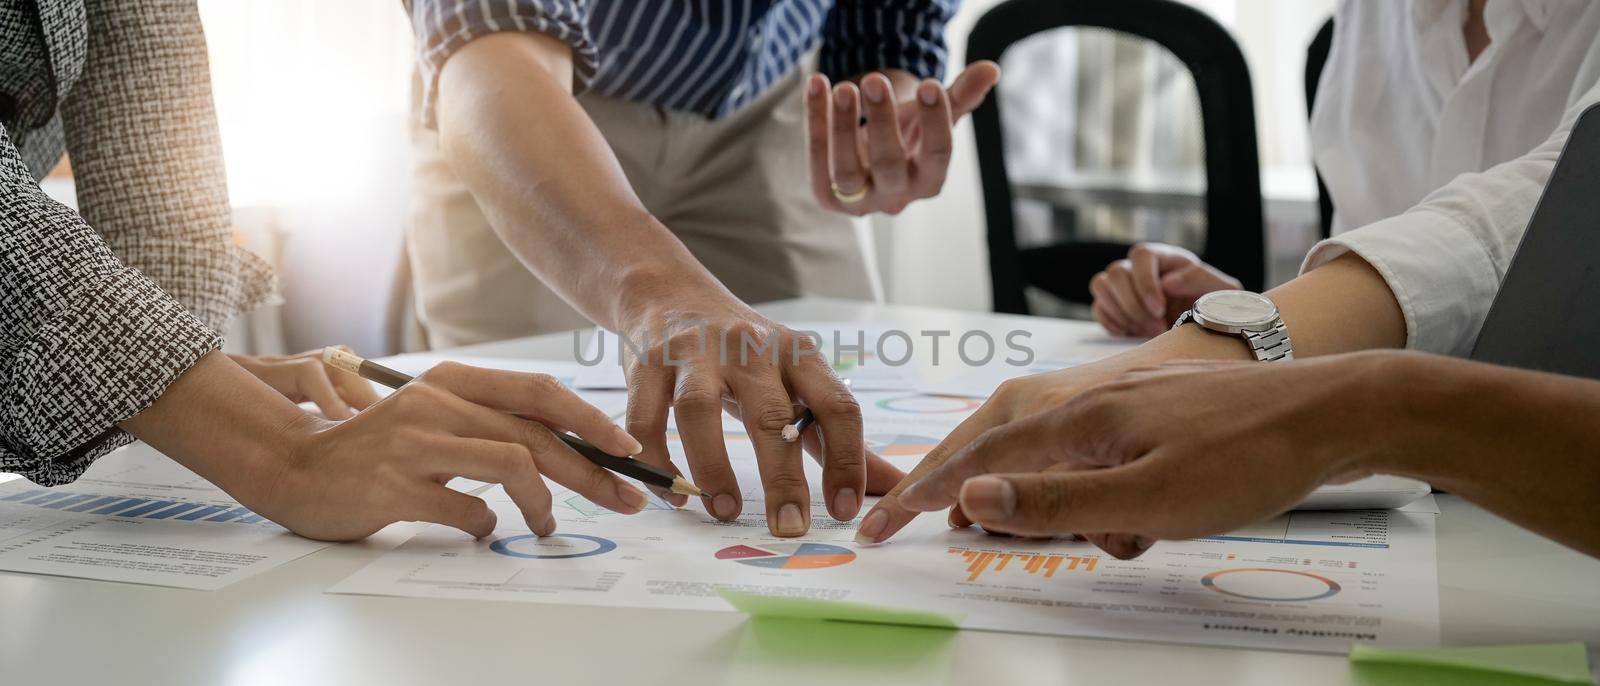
(757, 605)
(1548, 663)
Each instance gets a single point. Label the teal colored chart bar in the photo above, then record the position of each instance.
(47, 498)
(85, 507)
(184, 507)
(23, 495)
(230, 514)
(64, 502)
(203, 512)
(147, 509)
(109, 509)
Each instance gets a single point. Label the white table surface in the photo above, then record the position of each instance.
(1498, 584)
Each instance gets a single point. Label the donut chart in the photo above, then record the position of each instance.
(928, 404)
(1271, 585)
(788, 555)
(552, 547)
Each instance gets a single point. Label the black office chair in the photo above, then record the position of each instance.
(1316, 59)
(1235, 237)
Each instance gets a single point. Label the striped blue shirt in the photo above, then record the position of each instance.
(705, 56)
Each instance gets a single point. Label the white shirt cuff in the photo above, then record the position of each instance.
(1439, 272)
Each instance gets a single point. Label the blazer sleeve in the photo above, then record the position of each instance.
(85, 341)
(147, 157)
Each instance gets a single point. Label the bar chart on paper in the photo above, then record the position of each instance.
(1344, 529)
(1043, 565)
(143, 508)
(139, 517)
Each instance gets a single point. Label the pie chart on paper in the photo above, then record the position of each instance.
(788, 555)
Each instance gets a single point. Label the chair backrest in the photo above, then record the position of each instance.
(1235, 238)
(1316, 59)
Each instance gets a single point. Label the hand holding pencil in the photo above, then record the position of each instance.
(625, 465)
(391, 462)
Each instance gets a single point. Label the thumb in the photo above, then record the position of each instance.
(1057, 503)
(1193, 281)
(969, 89)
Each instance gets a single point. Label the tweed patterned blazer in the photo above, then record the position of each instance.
(101, 311)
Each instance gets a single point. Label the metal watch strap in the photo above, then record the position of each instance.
(1272, 344)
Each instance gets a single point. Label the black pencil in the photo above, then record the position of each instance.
(626, 466)
(791, 433)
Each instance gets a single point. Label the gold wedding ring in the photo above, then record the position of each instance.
(848, 198)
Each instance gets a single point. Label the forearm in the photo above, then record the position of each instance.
(1343, 306)
(1519, 443)
(223, 424)
(549, 183)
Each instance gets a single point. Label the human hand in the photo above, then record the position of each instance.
(1142, 294)
(1178, 451)
(1015, 400)
(722, 352)
(347, 480)
(882, 475)
(902, 153)
(303, 377)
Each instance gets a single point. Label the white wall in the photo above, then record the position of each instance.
(313, 101)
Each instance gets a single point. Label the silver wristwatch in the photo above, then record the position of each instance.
(1248, 315)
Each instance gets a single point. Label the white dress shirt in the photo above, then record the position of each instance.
(1434, 162)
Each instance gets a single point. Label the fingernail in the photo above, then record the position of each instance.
(1143, 542)
(845, 503)
(789, 521)
(871, 527)
(988, 498)
(841, 98)
(874, 90)
(928, 94)
(724, 507)
(634, 446)
(549, 526)
(635, 498)
(817, 86)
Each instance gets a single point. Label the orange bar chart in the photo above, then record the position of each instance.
(980, 562)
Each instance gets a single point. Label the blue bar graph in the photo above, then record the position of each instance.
(64, 502)
(147, 509)
(47, 498)
(85, 507)
(230, 514)
(182, 507)
(121, 506)
(203, 512)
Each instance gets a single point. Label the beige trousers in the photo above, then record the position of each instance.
(734, 190)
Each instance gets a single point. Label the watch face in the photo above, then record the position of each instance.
(1241, 309)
